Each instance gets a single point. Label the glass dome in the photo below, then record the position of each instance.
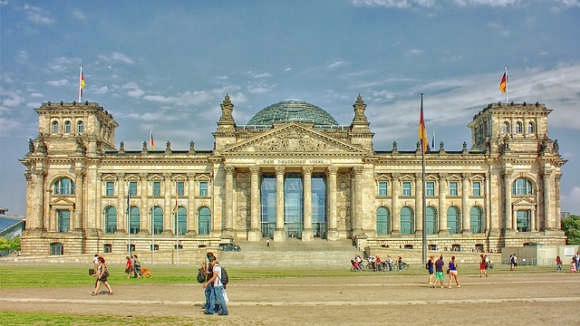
(292, 111)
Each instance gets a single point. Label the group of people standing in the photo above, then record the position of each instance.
(435, 268)
(133, 267)
(215, 294)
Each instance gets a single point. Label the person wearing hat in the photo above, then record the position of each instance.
(217, 302)
(207, 269)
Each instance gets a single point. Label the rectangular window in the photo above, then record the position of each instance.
(156, 188)
(453, 190)
(110, 188)
(133, 188)
(407, 188)
(382, 189)
(63, 217)
(476, 189)
(203, 189)
(107, 248)
(430, 189)
(180, 188)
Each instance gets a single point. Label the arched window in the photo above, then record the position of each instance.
(64, 186)
(67, 127)
(55, 127)
(157, 220)
(475, 217)
(519, 127)
(506, 128)
(453, 220)
(522, 186)
(382, 221)
(80, 127)
(407, 226)
(134, 220)
(203, 219)
(531, 128)
(430, 220)
(181, 220)
(110, 219)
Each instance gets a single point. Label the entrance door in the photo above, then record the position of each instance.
(319, 226)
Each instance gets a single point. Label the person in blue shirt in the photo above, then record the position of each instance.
(453, 272)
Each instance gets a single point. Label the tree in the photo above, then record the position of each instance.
(571, 227)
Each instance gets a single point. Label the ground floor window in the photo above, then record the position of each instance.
(107, 248)
(382, 221)
(203, 220)
(56, 249)
(453, 220)
(63, 217)
(476, 222)
(430, 220)
(407, 226)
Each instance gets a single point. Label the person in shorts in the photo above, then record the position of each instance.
(439, 271)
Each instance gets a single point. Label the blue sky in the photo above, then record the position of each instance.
(165, 66)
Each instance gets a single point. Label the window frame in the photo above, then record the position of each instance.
(383, 188)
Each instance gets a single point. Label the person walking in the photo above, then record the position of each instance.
(439, 270)
(558, 263)
(129, 267)
(102, 275)
(453, 272)
(207, 269)
(218, 291)
(431, 269)
(482, 265)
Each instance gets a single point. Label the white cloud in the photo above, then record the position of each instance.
(415, 52)
(57, 83)
(116, 57)
(336, 64)
(394, 3)
(22, 56)
(10, 98)
(37, 15)
(498, 29)
(570, 202)
(63, 64)
(259, 75)
(133, 89)
(101, 90)
(287, 69)
(78, 14)
(489, 3)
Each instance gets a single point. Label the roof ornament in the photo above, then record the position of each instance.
(227, 109)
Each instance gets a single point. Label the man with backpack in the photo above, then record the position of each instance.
(217, 292)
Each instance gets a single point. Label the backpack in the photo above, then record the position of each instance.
(200, 276)
(224, 278)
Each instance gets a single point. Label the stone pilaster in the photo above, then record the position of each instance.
(418, 204)
(123, 212)
(396, 213)
(465, 212)
(443, 205)
(167, 207)
(357, 211)
(548, 219)
(228, 202)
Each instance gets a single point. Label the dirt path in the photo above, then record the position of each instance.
(509, 299)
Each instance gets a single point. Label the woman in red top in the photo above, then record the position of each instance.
(482, 266)
(129, 267)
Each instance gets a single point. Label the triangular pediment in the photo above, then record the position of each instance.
(292, 137)
(526, 201)
(62, 201)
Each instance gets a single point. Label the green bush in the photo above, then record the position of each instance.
(571, 226)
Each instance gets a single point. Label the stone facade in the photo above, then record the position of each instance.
(502, 192)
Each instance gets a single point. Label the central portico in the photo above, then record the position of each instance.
(301, 171)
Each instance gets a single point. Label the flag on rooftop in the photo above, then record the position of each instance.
(423, 138)
(503, 83)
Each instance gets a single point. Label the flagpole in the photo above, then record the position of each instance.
(177, 221)
(507, 90)
(81, 84)
(424, 207)
(128, 215)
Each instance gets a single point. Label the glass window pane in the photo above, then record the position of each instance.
(430, 189)
(406, 188)
(63, 220)
(135, 220)
(407, 226)
(203, 189)
(110, 219)
(523, 217)
(453, 189)
(382, 221)
(476, 189)
(80, 127)
(430, 220)
(156, 188)
(67, 127)
(293, 205)
(110, 188)
(180, 188)
(157, 220)
(203, 220)
(382, 189)
(476, 222)
(453, 220)
(181, 220)
(268, 205)
(133, 188)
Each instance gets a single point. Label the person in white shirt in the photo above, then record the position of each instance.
(218, 290)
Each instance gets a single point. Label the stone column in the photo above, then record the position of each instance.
(228, 203)
(357, 207)
(466, 223)
(547, 200)
(331, 202)
(35, 200)
(168, 204)
(508, 216)
(418, 204)
(307, 198)
(77, 225)
(191, 214)
(145, 210)
(123, 212)
(443, 205)
(255, 233)
(279, 234)
(396, 214)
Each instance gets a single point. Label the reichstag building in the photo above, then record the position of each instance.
(291, 172)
